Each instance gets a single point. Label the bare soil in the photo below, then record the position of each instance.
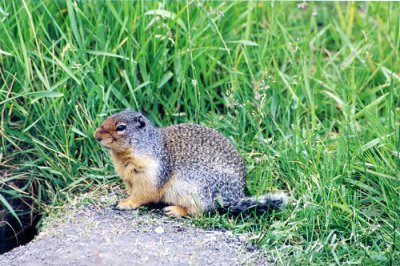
(100, 235)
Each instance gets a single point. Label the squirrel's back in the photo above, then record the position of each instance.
(198, 147)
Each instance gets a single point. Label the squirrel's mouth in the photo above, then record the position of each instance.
(106, 143)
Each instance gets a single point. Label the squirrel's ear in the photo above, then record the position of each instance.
(139, 121)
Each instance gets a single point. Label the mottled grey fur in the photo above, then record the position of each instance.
(203, 157)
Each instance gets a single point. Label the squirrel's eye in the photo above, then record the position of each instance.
(121, 128)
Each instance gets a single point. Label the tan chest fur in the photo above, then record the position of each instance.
(139, 174)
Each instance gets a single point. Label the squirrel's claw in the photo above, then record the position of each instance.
(175, 211)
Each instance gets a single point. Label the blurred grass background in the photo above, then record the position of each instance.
(309, 93)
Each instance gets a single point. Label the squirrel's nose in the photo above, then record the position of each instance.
(97, 134)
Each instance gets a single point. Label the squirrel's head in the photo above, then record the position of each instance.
(125, 130)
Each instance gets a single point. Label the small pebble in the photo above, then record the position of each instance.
(159, 230)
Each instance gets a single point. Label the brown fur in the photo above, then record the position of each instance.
(139, 175)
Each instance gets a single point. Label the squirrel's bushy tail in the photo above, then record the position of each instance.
(260, 204)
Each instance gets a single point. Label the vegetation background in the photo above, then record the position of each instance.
(309, 93)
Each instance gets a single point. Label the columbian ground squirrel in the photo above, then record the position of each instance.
(189, 167)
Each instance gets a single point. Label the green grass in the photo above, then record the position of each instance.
(311, 100)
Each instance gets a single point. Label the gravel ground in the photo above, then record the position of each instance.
(103, 236)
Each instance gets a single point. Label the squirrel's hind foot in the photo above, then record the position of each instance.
(175, 211)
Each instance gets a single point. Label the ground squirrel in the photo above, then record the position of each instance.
(189, 167)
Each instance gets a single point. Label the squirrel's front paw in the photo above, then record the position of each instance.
(175, 211)
(127, 204)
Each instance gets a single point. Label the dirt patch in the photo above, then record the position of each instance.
(98, 235)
